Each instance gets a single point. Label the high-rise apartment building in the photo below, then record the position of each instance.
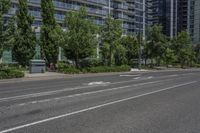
(130, 12)
(136, 15)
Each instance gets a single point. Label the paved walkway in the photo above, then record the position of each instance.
(47, 74)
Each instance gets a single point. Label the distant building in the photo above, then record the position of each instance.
(177, 15)
(164, 13)
(194, 20)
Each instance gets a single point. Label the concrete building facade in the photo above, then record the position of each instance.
(131, 12)
(136, 15)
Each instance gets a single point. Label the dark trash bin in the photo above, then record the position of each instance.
(37, 66)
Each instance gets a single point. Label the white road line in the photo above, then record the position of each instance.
(87, 93)
(42, 93)
(129, 75)
(150, 77)
(98, 83)
(137, 78)
(93, 108)
(65, 89)
(188, 74)
(175, 75)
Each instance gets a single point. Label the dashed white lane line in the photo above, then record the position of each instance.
(129, 75)
(150, 77)
(86, 93)
(174, 75)
(92, 108)
(68, 89)
(137, 78)
(98, 83)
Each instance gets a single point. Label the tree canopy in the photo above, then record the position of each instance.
(4, 7)
(49, 45)
(111, 33)
(79, 37)
(25, 39)
(130, 43)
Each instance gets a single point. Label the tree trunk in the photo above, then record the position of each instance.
(110, 57)
(77, 61)
(145, 61)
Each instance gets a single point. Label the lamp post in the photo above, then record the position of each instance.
(97, 45)
(109, 4)
(140, 41)
(140, 50)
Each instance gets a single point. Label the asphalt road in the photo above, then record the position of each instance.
(136, 102)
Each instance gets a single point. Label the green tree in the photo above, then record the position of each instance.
(120, 55)
(156, 42)
(10, 32)
(4, 7)
(105, 53)
(25, 39)
(58, 36)
(197, 53)
(80, 34)
(169, 56)
(111, 33)
(131, 45)
(49, 45)
(183, 47)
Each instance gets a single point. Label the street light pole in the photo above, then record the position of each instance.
(140, 51)
(109, 4)
(140, 43)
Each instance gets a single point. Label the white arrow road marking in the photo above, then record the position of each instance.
(129, 75)
(150, 77)
(98, 83)
(137, 78)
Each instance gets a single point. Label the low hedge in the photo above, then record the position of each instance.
(101, 69)
(197, 65)
(70, 69)
(8, 73)
(66, 68)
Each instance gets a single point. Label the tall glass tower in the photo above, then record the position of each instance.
(164, 13)
(194, 20)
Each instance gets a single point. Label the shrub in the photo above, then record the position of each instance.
(67, 68)
(197, 65)
(101, 69)
(90, 63)
(71, 69)
(8, 73)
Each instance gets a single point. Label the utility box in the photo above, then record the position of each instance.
(37, 66)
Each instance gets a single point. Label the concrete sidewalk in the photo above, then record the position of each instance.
(46, 74)
(36, 77)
